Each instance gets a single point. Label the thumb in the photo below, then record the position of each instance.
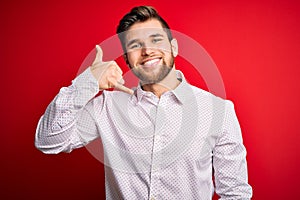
(99, 54)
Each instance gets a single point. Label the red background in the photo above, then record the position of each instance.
(255, 45)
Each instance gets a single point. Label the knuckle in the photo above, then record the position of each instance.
(114, 63)
(111, 81)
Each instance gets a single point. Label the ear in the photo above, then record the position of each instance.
(125, 58)
(174, 46)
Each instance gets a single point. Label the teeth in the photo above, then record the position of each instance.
(150, 62)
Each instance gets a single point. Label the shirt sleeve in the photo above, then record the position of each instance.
(69, 120)
(229, 160)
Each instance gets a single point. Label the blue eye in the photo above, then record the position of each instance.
(156, 40)
(135, 46)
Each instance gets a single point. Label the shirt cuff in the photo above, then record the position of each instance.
(86, 87)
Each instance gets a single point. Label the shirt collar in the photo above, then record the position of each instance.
(180, 92)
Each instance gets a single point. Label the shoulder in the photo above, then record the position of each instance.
(203, 94)
(211, 102)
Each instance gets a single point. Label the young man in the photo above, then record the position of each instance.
(163, 140)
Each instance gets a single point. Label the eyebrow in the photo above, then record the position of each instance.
(157, 35)
(151, 36)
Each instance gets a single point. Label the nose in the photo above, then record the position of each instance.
(147, 50)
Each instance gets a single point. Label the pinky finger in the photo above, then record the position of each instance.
(123, 88)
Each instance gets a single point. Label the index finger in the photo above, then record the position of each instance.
(123, 88)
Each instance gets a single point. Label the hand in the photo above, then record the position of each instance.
(108, 74)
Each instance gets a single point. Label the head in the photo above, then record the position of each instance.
(148, 45)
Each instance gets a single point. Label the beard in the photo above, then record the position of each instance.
(153, 76)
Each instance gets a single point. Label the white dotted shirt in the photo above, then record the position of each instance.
(154, 148)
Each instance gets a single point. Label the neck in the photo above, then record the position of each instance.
(170, 82)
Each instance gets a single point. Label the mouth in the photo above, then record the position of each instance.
(151, 62)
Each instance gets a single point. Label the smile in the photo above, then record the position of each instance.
(152, 62)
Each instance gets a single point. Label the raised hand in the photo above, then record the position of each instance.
(108, 74)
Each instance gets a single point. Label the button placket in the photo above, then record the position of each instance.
(157, 147)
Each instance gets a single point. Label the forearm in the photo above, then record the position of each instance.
(230, 165)
(57, 129)
(231, 175)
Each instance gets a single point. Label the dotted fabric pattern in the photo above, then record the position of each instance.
(154, 148)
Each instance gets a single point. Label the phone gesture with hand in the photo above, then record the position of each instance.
(108, 74)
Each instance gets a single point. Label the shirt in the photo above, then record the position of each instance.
(170, 147)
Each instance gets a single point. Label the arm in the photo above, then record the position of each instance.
(229, 160)
(60, 129)
(69, 121)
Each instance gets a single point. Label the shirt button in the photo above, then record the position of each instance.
(157, 138)
(154, 168)
(152, 198)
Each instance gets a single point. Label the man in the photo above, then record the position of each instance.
(164, 139)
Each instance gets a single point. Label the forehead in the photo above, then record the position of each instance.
(143, 30)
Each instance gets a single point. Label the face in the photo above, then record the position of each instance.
(150, 54)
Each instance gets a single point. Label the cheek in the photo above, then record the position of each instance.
(132, 57)
(166, 49)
